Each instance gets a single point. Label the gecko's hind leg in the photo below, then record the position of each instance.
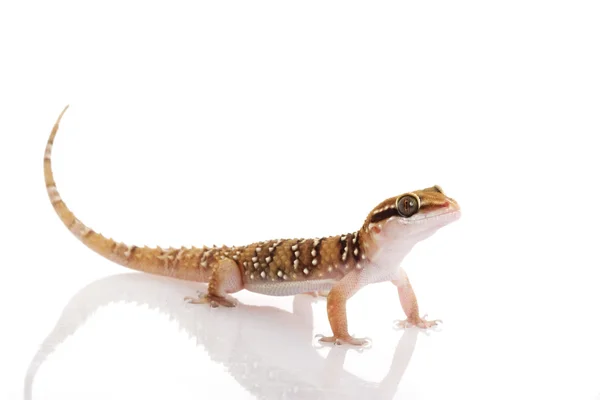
(225, 278)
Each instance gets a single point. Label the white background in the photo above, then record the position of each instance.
(234, 121)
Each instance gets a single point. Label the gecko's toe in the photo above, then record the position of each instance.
(346, 340)
(227, 302)
(196, 300)
(429, 324)
(213, 300)
(422, 323)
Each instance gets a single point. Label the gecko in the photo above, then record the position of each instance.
(335, 266)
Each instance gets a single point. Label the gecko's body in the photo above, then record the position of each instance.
(339, 265)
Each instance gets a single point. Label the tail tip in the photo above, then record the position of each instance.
(61, 115)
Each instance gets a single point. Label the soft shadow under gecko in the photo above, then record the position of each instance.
(288, 359)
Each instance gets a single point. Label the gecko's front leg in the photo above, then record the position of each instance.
(408, 301)
(336, 311)
(225, 278)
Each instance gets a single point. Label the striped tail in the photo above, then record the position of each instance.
(180, 263)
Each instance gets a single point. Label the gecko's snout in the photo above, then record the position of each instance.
(453, 205)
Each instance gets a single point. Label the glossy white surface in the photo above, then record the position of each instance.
(229, 122)
(131, 335)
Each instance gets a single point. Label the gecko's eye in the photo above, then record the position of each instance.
(407, 205)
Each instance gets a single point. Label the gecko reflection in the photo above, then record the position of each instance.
(269, 363)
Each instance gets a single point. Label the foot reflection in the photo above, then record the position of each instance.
(269, 351)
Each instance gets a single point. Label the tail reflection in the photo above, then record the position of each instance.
(269, 351)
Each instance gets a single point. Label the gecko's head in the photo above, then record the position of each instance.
(414, 214)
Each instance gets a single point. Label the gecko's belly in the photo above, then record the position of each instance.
(290, 288)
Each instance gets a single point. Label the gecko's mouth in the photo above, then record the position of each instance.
(444, 216)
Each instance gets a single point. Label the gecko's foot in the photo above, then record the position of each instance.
(418, 322)
(213, 300)
(338, 341)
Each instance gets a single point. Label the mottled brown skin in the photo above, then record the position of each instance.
(271, 265)
(298, 259)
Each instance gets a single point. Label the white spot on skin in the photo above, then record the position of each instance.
(296, 263)
(305, 271)
(279, 273)
(358, 266)
(48, 151)
(251, 276)
(254, 259)
(285, 277)
(258, 249)
(268, 259)
(235, 256)
(245, 264)
(297, 254)
(329, 269)
(314, 251)
(295, 247)
(356, 251)
(345, 252)
(128, 252)
(79, 229)
(256, 265)
(53, 193)
(263, 275)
